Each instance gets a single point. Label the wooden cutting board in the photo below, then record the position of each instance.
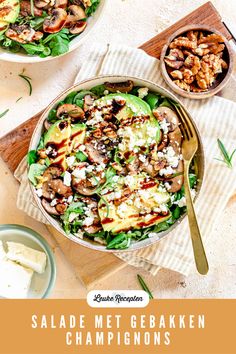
(92, 266)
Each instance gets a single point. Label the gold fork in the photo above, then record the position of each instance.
(189, 148)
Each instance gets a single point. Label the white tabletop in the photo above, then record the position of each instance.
(130, 22)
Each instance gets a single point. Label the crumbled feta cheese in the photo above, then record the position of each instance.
(153, 234)
(167, 185)
(70, 160)
(142, 92)
(115, 179)
(122, 210)
(70, 199)
(53, 202)
(142, 158)
(129, 180)
(97, 117)
(79, 234)
(166, 171)
(164, 126)
(73, 216)
(106, 92)
(39, 192)
(88, 221)
(79, 173)
(117, 195)
(90, 168)
(82, 148)
(67, 178)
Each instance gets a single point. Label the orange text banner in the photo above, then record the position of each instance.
(71, 326)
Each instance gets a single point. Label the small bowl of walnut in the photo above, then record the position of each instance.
(196, 62)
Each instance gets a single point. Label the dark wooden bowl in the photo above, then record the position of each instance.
(221, 79)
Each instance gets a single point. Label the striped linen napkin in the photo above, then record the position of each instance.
(215, 118)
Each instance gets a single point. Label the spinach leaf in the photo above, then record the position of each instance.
(92, 8)
(120, 241)
(98, 90)
(32, 157)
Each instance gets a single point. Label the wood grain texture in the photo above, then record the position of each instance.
(14, 145)
(204, 15)
(92, 266)
(89, 266)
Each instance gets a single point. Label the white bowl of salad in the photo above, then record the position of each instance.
(105, 163)
(39, 30)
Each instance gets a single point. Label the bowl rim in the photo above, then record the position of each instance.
(39, 126)
(45, 247)
(196, 95)
(31, 59)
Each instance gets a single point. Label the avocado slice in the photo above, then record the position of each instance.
(140, 132)
(9, 10)
(58, 138)
(77, 136)
(141, 207)
(3, 26)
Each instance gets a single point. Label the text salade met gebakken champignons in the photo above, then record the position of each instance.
(109, 167)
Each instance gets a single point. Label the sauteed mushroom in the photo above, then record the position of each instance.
(70, 110)
(175, 139)
(75, 13)
(94, 155)
(78, 27)
(40, 4)
(52, 172)
(56, 22)
(50, 209)
(124, 87)
(61, 4)
(167, 113)
(25, 9)
(177, 182)
(23, 34)
(60, 188)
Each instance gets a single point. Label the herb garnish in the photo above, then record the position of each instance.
(227, 157)
(4, 113)
(18, 99)
(144, 286)
(28, 80)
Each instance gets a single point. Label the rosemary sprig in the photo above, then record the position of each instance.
(227, 157)
(4, 113)
(144, 286)
(28, 80)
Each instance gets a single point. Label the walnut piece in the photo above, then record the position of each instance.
(183, 85)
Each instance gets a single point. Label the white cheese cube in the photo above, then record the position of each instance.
(2, 251)
(14, 280)
(27, 256)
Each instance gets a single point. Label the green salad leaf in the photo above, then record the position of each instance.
(91, 9)
(35, 171)
(32, 157)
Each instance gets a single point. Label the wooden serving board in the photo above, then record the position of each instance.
(91, 266)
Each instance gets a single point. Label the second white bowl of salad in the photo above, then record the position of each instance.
(39, 30)
(105, 163)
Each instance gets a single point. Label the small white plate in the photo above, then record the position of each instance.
(41, 284)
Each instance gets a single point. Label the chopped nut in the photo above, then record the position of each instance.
(214, 37)
(188, 76)
(183, 85)
(193, 62)
(183, 42)
(177, 74)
